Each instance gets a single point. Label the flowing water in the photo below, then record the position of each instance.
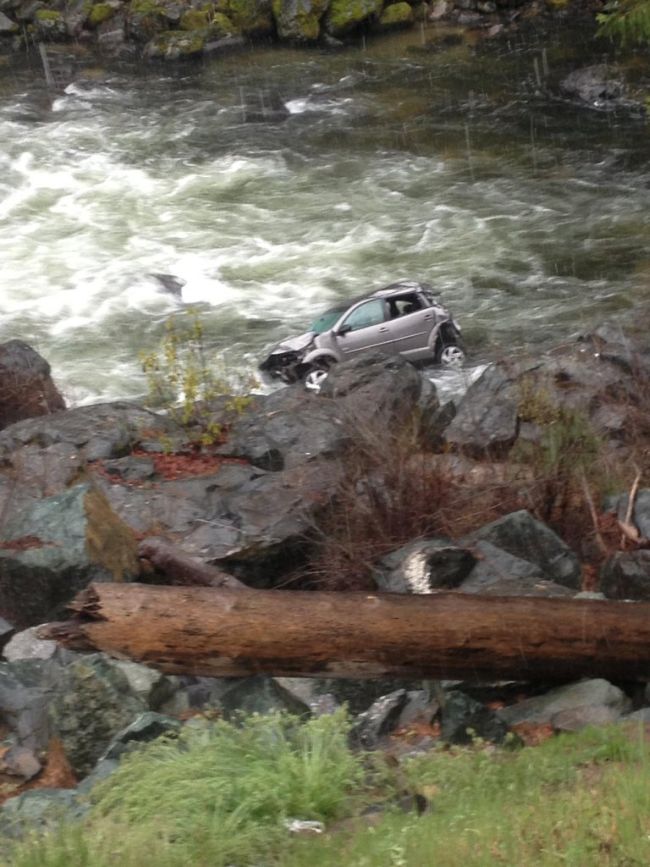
(276, 182)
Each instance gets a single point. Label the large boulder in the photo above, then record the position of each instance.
(288, 428)
(299, 20)
(498, 573)
(344, 16)
(374, 389)
(486, 419)
(250, 17)
(26, 387)
(55, 547)
(599, 87)
(521, 535)
(464, 719)
(572, 706)
(626, 575)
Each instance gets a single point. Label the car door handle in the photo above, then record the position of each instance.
(428, 317)
(383, 328)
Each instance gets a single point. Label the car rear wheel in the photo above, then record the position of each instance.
(450, 355)
(316, 375)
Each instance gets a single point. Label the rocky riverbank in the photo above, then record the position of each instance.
(170, 30)
(522, 487)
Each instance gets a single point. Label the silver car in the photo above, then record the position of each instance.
(404, 318)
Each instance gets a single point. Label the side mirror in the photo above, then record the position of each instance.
(343, 330)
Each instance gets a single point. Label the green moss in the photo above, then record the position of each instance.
(48, 15)
(397, 15)
(196, 19)
(221, 25)
(177, 44)
(299, 21)
(99, 13)
(345, 15)
(145, 7)
(248, 16)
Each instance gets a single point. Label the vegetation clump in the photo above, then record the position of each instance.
(183, 382)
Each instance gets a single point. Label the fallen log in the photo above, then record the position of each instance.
(226, 633)
(182, 568)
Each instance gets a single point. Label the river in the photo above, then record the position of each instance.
(439, 162)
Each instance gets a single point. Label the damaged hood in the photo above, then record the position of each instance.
(294, 344)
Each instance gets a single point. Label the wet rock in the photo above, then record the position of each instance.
(39, 810)
(299, 20)
(596, 86)
(486, 418)
(359, 695)
(419, 708)
(626, 575)
(6, 631)
(463, 719)
(260, 695)
(396, 16)
(146, 19)
(524, 537)
(343, 17)
(102, 431)
(131, 469)
(424, 566)
(499, 573)
(49, 25)
(92, 704)
(575, 697)
(26, 387)
(111, 34)
(7, 26)
(54, 548)
(149, 685)
(176, 45)
(379, 720)
(20, 762)
(250, 17)
(27, 645)
(26, 689)
(145, 728)
(374, 389)
(289, 428)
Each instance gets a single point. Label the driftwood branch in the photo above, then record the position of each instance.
(224, 632)
(182, 568)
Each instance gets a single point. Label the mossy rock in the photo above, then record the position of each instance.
(299, 20)
(221, 26)
(100, 12)
(145, 19)
(50, 24)
(344, 16)
(396, 16)
(196, 19)
(250, 17)
(176, 45)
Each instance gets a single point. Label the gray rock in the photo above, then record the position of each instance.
(102, 770)
(145, 728)
(543, 709)
(424, 566)
(20, 762)
(55, 547)
(92, 705)
(374, 389)
(290, 428)
(528, 539)
(486, 418)
(379, 720)
(98, 432)
(498, 573)
(26, 691)
(343, 17)
(6, 631)
(626, 575)
(359, 695)
(574, 719)
(597, 86)
(27, 645)
(463, 719)
(149, 685)
(7, 26)
(260, 695)
(642, 715)
(39, 810)
(419, 708)
(299, 20)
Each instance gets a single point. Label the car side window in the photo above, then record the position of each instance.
(370, 313)
(404, 305)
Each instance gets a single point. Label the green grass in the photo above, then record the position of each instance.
(221, 798)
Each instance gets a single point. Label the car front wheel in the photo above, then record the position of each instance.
(450, 355)
(316, 375)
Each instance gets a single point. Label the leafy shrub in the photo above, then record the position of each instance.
(182, 381)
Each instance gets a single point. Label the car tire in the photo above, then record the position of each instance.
(316, 375)
(450, 355)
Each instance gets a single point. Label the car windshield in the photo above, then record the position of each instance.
(326, 320)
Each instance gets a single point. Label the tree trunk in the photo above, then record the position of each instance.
(224, 633)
